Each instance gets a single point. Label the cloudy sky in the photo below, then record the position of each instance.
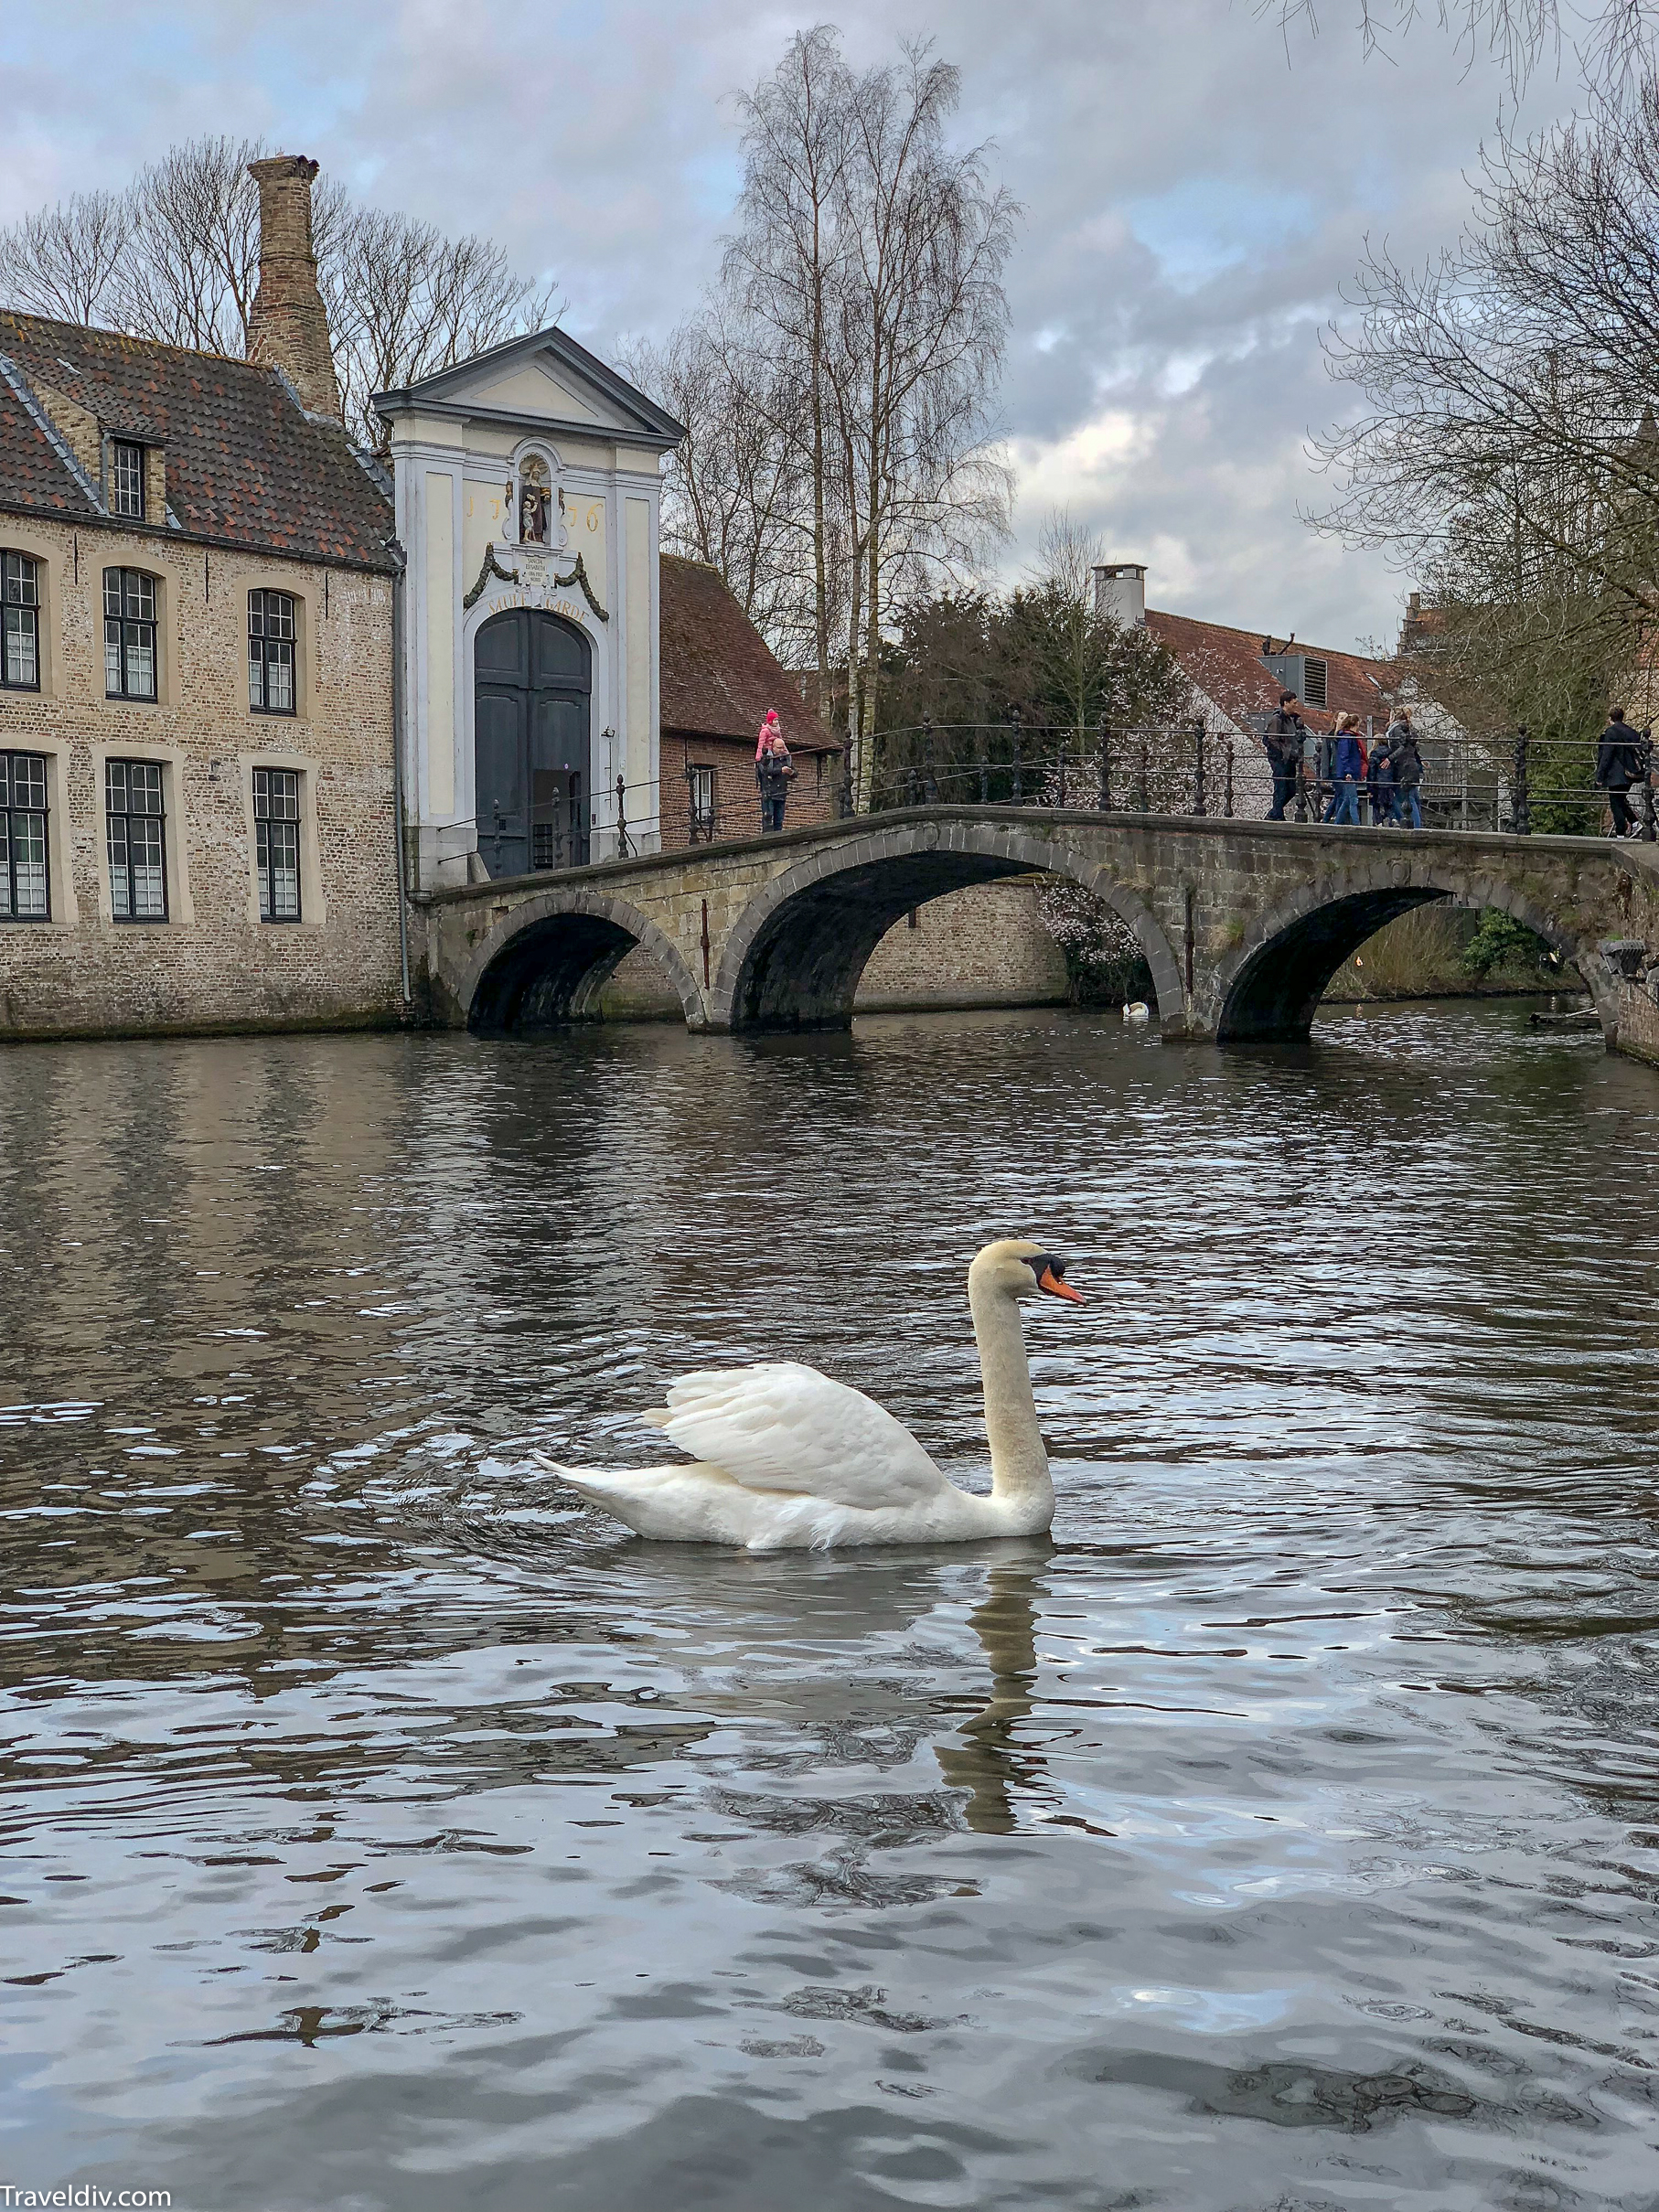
(1195, 187)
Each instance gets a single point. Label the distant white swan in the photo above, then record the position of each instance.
(786, 1459)
(1137, 1010)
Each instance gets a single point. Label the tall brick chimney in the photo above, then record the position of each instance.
(288, 328)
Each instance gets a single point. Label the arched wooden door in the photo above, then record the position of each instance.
(532, 698)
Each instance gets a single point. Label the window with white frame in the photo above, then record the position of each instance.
(135, 835)
(129, 634)
(126, 478)
(271, 642)
(20, 594)
(276, 842)
(23, 878)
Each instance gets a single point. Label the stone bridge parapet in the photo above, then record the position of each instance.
(1243, 924)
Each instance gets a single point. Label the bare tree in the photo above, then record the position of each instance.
(175, 257)
(1505, 444)
(404, 301)
(784, 262)
(922, 321)
(866, 268)
(60, 262)
(1613, 40)
(735, 492)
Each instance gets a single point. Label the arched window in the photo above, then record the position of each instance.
(272, 689)
(20, 591)
(129, 634)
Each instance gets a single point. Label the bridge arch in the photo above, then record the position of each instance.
(546, 962)
(1270, 984)
(795, 956)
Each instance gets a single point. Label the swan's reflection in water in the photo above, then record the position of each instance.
(999, 1770)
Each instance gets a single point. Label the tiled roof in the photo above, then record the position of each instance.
(1227, 667)
(718, 673)
(245, 465)
(32, 473)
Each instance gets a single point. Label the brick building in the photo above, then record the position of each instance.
(719, 678)
(196, 760)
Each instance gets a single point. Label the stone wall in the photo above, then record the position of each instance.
(212, 964)
(983, 947)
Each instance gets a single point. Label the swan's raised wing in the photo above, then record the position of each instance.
(782, 1427)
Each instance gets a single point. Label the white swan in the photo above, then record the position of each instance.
(786, 1459)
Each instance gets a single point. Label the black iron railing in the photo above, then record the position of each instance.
(1502, 780)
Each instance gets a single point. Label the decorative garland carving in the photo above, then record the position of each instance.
(492, 567)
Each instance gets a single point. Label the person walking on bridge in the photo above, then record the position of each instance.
(1347, 768)
(1283, 740)
(1401, 741)
(773, 772)
(1619, 764)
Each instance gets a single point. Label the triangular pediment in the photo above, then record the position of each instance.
(545, 377)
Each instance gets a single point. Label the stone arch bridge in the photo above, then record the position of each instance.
(1243, 924)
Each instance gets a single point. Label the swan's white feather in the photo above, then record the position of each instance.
(780, 1426)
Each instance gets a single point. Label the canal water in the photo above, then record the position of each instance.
(382, 1830)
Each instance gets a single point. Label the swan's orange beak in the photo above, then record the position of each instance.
(1048, 1280)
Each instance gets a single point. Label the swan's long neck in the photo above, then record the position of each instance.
(1019, 1464)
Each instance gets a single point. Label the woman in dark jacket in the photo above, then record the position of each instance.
(1408, 769)
(1379, 780)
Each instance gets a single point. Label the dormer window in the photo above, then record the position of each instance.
(126, 478)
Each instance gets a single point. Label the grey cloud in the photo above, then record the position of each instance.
(1169, 410)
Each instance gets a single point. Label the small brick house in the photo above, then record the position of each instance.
(719, 678)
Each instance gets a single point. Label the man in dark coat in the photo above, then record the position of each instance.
(1283, 738)
(1620, 762)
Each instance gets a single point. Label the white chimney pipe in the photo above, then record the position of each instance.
(1120, 592)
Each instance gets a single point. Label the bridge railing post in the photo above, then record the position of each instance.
(1520, 799)
(1649, 831)
(623, 849)
(1198, 794)
(1143, 804)
(1106, 768)
(930, 760)
(1018, 756)
(1228, 796)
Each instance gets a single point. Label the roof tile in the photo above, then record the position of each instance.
(719, 676)
(1227, 665)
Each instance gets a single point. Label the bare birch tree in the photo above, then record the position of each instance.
(923, 323)
(866, 265)
(784, 264)
(175, 257)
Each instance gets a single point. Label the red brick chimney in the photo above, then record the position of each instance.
(288, 328)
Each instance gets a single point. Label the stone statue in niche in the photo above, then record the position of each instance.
(535, 503)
